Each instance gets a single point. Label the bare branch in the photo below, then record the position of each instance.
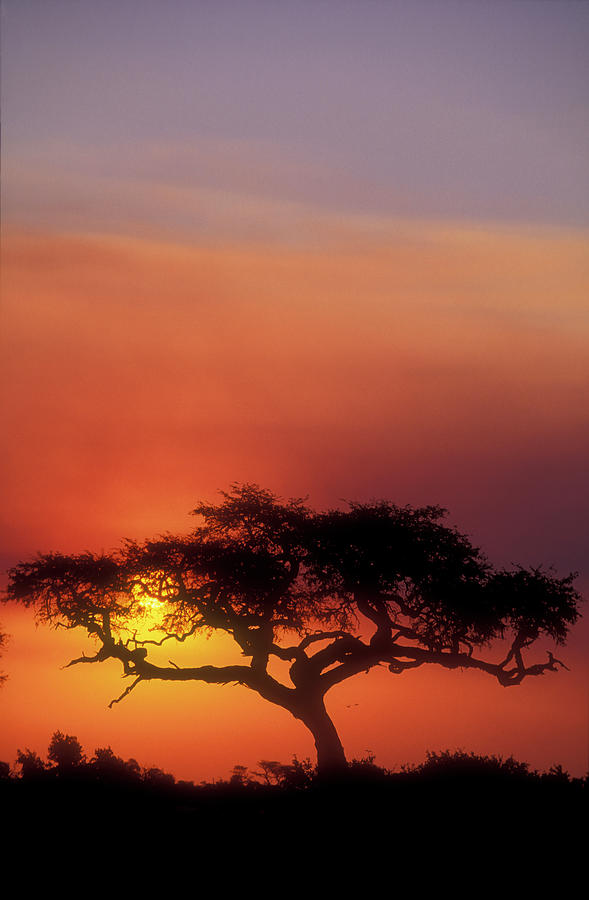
(125, 692)
(169, 635)
(98, 657)
(514, 676)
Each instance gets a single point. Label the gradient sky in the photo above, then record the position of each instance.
(339, 249)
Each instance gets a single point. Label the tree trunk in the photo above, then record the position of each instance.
(331, 758)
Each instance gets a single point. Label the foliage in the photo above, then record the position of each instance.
(109, 767)
(459, 763)
(65, 751)
(367, 808)
(157, 778)
(31, 765)
(297, 775)
(66, 758)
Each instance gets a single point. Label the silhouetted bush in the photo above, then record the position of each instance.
(30, 764)
(459, 764)
(107, 767)
(468, 793)
(66, 752)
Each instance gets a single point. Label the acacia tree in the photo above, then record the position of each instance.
(330, 593)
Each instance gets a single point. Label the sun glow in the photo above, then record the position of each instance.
(148, 611)
(150, 604)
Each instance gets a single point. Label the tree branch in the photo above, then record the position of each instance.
(321, 636)
(135, 663)
(362, 658)
(125, 692)
(169, 635)
(101, 656)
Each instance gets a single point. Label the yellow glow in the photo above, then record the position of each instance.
(150, 604)
(149, 611)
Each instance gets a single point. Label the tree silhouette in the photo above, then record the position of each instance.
(30, 764)
(66, 752)
(330, 593)
(111, 768)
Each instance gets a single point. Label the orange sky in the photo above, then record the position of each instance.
(427, 362)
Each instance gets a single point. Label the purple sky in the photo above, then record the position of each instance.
(467, 110)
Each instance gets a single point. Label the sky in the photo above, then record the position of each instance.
(338, 249)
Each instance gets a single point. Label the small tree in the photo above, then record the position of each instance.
(66, 752)
(30, 764)
(111, 768)
(331, 593)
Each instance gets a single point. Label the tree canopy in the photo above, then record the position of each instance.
(332, 593)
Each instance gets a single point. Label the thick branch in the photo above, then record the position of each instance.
(375, 610)
(401, 658)
(135, 663)
(297, 652)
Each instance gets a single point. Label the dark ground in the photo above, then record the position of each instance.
(458, 812)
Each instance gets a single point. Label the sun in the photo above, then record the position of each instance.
(148, 611)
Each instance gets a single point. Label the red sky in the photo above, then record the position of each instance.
(336, 249)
